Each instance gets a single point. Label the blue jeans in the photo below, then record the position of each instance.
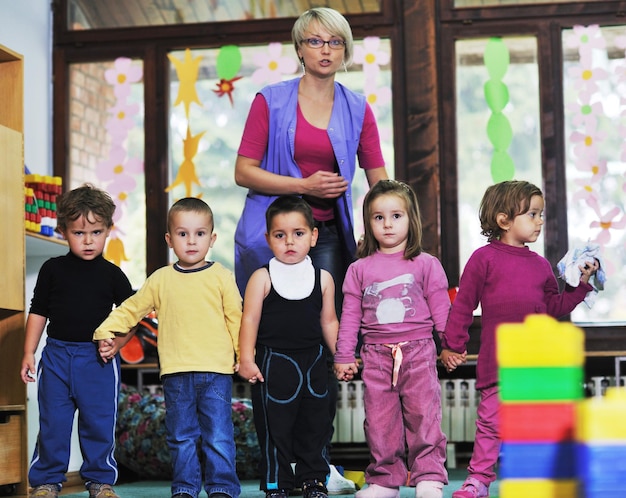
(198, 418)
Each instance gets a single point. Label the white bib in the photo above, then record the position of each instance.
(292, 281)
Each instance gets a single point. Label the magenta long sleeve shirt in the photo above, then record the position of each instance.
(390, 299)
(509, 283)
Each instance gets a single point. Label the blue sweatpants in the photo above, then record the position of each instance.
(72, 378)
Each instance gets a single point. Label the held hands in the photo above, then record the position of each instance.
(588, 270)
(452, 359)
(345, 371)
(250, 371)
(108, 348)
(325, 185)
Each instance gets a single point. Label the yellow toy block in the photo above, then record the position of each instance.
(540, 341)
(601, 419)
(356, 476)
(544, 488)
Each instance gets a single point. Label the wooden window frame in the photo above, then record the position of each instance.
(422, 34)
(545, 22)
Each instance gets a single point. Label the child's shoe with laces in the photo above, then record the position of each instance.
(98, 490)
(429, 489)
(472, 488)
(312, 488)
(277, 493)
(45, 491)
(338, 484)
(377, 491)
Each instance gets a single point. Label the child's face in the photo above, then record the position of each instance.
(86, 237)
(290, 238)
(389, 221)
(190, 236)
(525, 227)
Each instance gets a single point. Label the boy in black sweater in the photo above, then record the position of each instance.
(74, 294)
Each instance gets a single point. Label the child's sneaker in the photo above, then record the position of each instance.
(312, 488)
(472, 488)
(98, 490)
(429, 489)
(45, 491)
(377, 491)
(338, 484)
(277, 493)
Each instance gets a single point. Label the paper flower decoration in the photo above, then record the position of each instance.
(227, 87)
(606, 223)
(586, 39)
(370, 56)
(272, 65)
(117, 170)
(122, 75)
(228, 64)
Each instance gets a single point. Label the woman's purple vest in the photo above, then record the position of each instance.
(344, 132)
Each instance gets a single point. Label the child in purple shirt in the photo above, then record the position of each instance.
(509, 281)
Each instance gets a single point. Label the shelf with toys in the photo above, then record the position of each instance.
(40, 193)
(40, 197)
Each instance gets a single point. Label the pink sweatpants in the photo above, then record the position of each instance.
(403, 423)
(487, 441)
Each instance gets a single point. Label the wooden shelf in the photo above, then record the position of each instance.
(139, 366)
(41, 246)
(13, 394)
(12, 408)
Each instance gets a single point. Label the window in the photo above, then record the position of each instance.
(497, 126)
(564, 79)
(106, 149)
(218, 123)
(594, 71)
(86, 102)
(94, 14)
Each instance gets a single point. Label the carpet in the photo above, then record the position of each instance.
(250, 489)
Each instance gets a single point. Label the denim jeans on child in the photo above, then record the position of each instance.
(198, 418)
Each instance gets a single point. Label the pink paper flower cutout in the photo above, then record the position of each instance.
(377, 97)
(606, 224)
(370, 56)
(585, 114)
(117, 171)
(121, 120)
(122, 75)
(585, 39)
(586, 144)
(272, 65)
(586, 78)
(588, 194)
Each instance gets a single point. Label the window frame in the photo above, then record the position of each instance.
(151, 44)
(546, 23)
(422, 34)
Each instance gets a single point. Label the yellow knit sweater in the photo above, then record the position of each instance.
(199, 314)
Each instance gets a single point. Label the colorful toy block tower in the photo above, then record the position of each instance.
(601, 449)
(541, 369)
(41, 218)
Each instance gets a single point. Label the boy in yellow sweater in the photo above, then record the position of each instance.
(198, 307)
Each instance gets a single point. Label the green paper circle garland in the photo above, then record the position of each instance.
(228, 62)
(499, 130)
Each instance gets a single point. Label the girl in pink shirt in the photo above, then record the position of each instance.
(395, 295)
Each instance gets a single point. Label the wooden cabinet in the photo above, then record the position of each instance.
(13, 449)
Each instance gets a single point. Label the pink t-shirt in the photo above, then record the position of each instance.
(313, 151)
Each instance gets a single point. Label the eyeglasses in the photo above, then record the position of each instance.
(319, 43)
